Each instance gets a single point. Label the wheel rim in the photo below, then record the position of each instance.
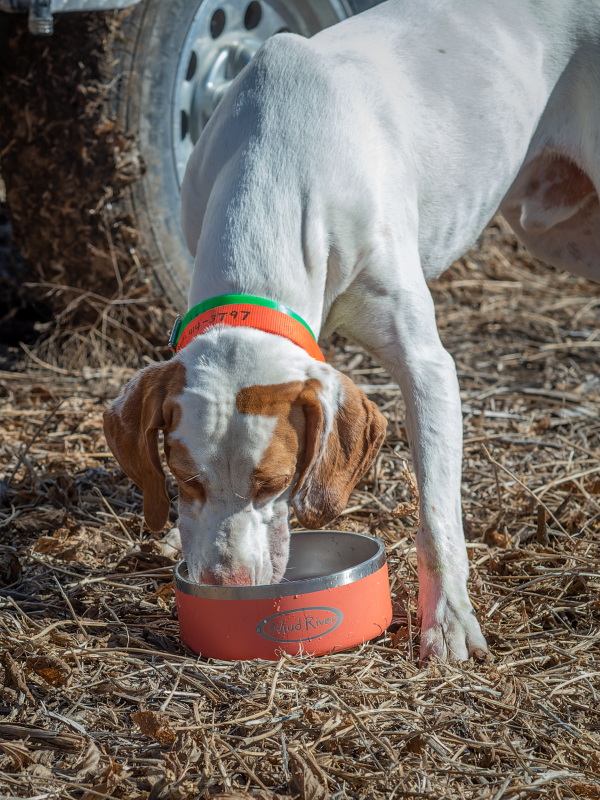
(223, 37)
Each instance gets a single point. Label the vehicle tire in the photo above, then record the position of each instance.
(67, 168)
(62, 159)
(173, 62)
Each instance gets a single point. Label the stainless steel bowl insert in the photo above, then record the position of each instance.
(318, 560)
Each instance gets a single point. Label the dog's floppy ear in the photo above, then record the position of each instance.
(343, 435)
(131, 425)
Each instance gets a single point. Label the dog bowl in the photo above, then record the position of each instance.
(335, 594)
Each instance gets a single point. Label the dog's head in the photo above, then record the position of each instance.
(251, 424)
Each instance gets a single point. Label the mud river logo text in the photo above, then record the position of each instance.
(300, 625)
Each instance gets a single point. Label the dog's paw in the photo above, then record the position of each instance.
(450, 631)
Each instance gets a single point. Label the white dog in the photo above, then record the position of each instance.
(336, 177)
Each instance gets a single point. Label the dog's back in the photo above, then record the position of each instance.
(408, 117)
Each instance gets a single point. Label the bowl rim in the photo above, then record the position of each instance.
(303, 587)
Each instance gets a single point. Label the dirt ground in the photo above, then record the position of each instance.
(101, 700)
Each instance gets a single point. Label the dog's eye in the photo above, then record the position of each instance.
(268, 487)
(192, 487)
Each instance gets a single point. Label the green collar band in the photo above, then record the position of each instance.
(229, 300)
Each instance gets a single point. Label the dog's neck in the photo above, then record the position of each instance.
(241, 357)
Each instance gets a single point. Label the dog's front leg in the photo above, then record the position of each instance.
(401, 333)
(449, 628)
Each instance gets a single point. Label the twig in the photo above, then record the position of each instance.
(39, 429)
(110, 508)
(404, 586)
(533, 494)
(106, 607)
(71, 609)
(248, 770)
(164, 706)
(498, 492)
(43, 364)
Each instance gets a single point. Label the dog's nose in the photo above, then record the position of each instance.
(240, 577)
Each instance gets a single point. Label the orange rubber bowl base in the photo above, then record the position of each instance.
(314, 623)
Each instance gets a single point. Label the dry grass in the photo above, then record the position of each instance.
(101, 700)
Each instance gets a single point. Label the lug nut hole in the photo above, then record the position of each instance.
(253, 15)
(191, 67)
(217, 23)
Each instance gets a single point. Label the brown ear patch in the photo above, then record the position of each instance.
(285, 453)
(329, 468)
(131, 425)
(337, 464)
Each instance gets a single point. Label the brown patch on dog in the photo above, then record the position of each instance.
(329, 468)
(565, 184)
(131, 425)
(335, 466)
(550, 191)
(554, 209)
(183, 468)
(285, 452)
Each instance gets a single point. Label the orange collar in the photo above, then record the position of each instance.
(242, 310)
